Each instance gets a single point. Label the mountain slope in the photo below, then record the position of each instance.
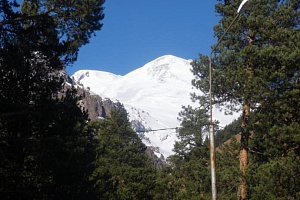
(152, 95)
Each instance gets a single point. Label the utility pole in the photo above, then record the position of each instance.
(243, 6)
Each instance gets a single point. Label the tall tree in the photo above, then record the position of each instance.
(123, 170)
(228, 172)
(274, 147)
(191, 160)
(73, 22)
(260, 49)
(43, 148)
(192, 131)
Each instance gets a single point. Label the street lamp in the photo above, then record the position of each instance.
(246, 4)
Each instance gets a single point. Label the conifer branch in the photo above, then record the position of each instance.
(25, 17)
(22, 112)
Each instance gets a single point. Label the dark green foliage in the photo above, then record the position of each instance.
(166, 185)
(123, 170)
(48, 150)
(261, 48)
(44, 149)
(190, 174)
(275, 144)
(194, 124)
(46, 154)
(227, 132)
(190, 180)
(257, 65)
(277, 123)
(228, 172)
(276, 179)
(71, 24)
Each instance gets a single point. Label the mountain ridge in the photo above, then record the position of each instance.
(153, 95)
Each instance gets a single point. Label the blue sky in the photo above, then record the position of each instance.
(138, 31)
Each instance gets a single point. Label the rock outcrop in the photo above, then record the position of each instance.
(97, 107)
(158, 162)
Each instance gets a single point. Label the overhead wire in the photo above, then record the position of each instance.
(77, 136)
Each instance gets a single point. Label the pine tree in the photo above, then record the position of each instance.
(123, 170)
(274, 146)
(276, 179)
(191, 160)
(228, 172)
(260, 49)
(228, 131)
(193, 128)
(73, 23)
(44, 150)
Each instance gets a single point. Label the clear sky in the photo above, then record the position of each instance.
(138, 31)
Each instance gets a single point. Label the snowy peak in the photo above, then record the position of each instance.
(167, 60)
(164, 69)
(153, 95)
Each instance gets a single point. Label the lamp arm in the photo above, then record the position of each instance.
(210, 62)
(219, 41)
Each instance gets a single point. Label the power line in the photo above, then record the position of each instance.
(77, 136)
(154, 130)
(163, 129)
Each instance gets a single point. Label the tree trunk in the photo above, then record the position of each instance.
(244, 150)
(245, 133)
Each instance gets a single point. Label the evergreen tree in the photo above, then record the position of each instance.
(193, 128)
(274, 146)
(228, 131)
(167, 185)
(123, 170)
(191, 159)
(228, 172)
(72, 22)
(44, 149)
(275, 179)
(259, 52)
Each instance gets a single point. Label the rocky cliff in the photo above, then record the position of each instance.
(97, 107)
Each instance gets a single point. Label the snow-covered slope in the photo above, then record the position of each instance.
(152, 95)
(93, 77)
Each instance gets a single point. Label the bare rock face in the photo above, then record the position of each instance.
(158, 162)
(96, 107)
(99, 108)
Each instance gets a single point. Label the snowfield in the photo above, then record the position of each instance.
(153, 96)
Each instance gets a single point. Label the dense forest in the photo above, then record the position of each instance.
(49, 149)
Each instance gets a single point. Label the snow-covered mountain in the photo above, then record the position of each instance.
(152, 95)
